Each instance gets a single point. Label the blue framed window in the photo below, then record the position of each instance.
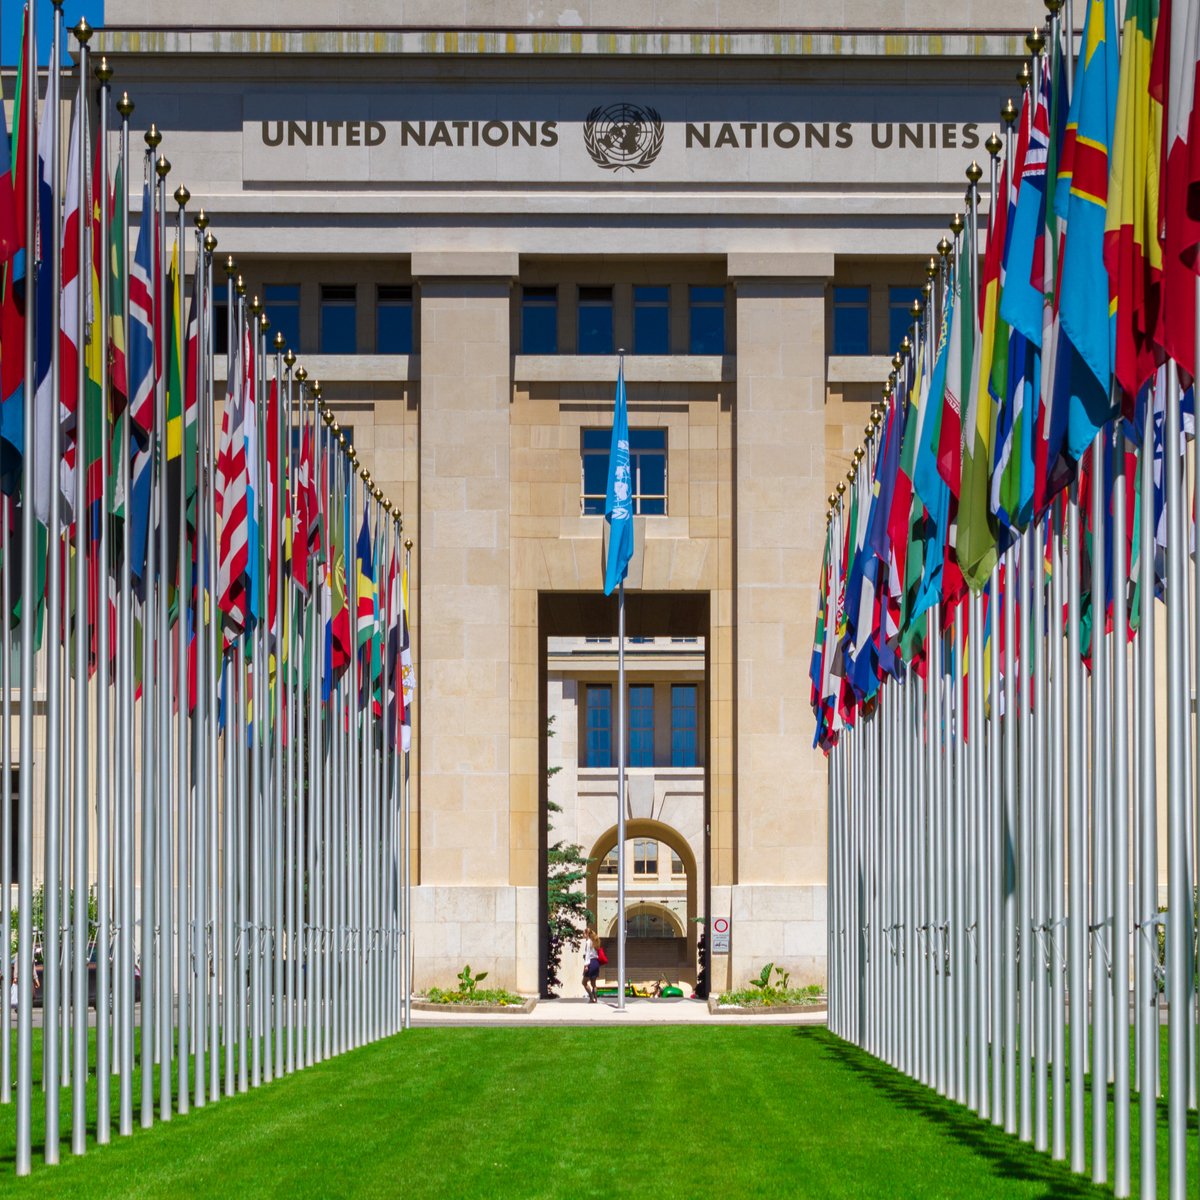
(651, 320)
(706, 320)
(339, 318)
(394, 319)
(683, 725)
(899, 318)
(851, 320)
(647, 464)
(282, 304)
(599, 725)
(595, 321)
(539, 320)
(641, 725)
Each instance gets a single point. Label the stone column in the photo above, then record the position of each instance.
(777, 905)
(464, 906)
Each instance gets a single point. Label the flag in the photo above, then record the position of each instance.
(12, 315)
(96, 355)
(302, 514)
(958, 379)
(976, 541)
(618, 505)
(931, 489)
(230, 502)
(365, 589)
(1132, 251)
(1081, 198)
(1174, 85)
(393, 669)
(47, 474)
(174, 449)
(408, 692)
(142, 325)
(118, 364)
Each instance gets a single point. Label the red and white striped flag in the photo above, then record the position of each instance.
(231, 487)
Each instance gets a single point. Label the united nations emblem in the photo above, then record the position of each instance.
(623, 137)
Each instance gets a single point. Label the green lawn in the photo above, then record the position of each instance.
(659, 1112)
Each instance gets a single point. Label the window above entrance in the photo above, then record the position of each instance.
(647, 463)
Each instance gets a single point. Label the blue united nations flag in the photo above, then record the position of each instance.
(618, 507)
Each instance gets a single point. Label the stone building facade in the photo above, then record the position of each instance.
(460, 212)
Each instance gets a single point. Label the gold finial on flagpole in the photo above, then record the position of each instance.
(289, 359)
(301, 373)
(163, 166)
(1025, 76)
(279, 342)
(897, 360)
(182, 196)
(230, 266)
(210, 242)
(993, 145)
(316, 388)
(201, 220)
(83, 32)
(125, 106)
(153, 137)
(104, 71)
(916, 307)
(1009, 113)
(931, 268)
(957, 225)
(974, 173)
(264, 322)
(1036, 40)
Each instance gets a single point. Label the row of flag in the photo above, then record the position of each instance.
(1085, 291)
(984, 672)
(216, 598)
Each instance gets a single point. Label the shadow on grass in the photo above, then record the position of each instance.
(1006, 1157)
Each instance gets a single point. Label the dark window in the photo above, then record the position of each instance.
(648, 465)
(339, 334)
(608, 864)
(683, 725)
(645, 857)
(599, 725)
(851, 320)
(641, 726)
(899, 318)
(651, 320)
(282, 304)
(539, 320)
(220, 326)
(393, 319)
(676, 866)
(595, 321)
(706, 306)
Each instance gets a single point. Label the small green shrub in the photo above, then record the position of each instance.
(467, 982)
(490, 996)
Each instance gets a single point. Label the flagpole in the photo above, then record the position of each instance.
(100, 329)
(82, 636)
(166, 777)
(621, 784)
(1058, 916)
(1147, 806)
(1099, 803)
(278, 856)
(1178, 878)
(182, 721)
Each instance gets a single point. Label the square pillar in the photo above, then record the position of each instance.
(779, 526)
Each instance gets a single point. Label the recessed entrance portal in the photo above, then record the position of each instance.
(666, 852)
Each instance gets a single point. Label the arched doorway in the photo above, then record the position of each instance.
(670, 949)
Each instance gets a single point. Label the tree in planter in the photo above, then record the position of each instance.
(567, 913)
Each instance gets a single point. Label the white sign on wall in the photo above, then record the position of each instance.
(720, 935)
(791, 134)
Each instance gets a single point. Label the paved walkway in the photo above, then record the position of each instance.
(604, 1012)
